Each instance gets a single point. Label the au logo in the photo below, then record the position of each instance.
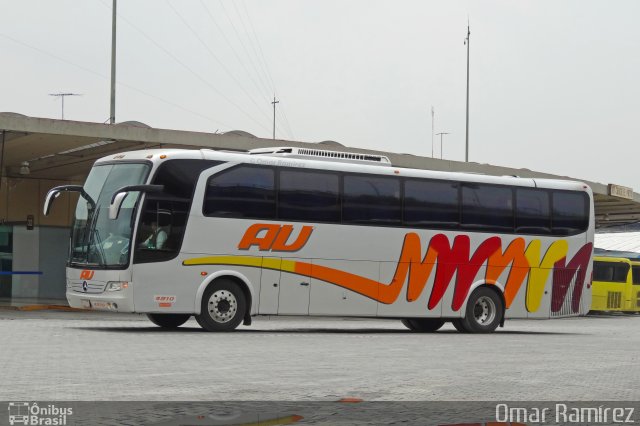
(86, 274)
(273, 237)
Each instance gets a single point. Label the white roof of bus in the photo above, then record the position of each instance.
(283, 161)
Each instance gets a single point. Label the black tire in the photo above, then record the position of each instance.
(423, 325)
(168, 320)
(223, 306)
(483, 314)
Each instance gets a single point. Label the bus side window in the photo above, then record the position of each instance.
(432, 204)
(610, 272)
(636, 274)
(602, 271)
(620, 272)
(371, 199)
(242, 192)
(487, 207)
(570, 212)
(309, 196)
(533, 211)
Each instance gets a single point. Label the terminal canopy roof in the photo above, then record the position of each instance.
(65, 150)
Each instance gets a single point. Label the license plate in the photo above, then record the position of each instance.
(86, 303)
(100, 305)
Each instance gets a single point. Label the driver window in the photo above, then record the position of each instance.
(162, 224)
(156, 226)
(163, 218)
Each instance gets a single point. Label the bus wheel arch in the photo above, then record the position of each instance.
(238, 278)
(228, 287)
(484, 300)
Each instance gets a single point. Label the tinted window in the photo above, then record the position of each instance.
(246, 192)
(570, 212)
(636, 274)
(533, 213)
(431, 203)
(371, 199)
(486, 207)
(610, 272)
(309, 196)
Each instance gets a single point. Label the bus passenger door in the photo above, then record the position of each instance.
(293, 298)
(269, 287)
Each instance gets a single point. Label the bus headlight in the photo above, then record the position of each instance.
(117, 285)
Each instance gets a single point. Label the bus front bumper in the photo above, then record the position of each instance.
(117, 301)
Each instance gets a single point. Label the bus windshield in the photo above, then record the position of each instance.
(96, 240)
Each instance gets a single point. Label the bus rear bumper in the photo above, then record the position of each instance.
(113, 302)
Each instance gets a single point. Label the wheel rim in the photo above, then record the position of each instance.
(484, 311)
(222, 306)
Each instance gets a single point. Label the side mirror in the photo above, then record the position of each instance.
(118, 197)
(55, 193)
(116, 204)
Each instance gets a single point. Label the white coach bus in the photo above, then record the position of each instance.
(289, 231)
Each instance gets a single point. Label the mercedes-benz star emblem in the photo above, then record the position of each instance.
(84, 285)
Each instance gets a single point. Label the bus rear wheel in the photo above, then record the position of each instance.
(423, 325)
(483, 314)
(223, 306)
(168, 320)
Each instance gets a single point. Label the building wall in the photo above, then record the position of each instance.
(26, 258)
(42, 254)
(42, 249)
(21, 197)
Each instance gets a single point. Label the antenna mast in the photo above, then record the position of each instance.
(62, 96)
(274, 115)
(432, 120)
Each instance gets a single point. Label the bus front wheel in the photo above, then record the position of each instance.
(483, 314)
(223, 306)
(168, 320)
(423, 325)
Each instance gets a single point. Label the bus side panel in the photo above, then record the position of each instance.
(295, 289)
(330, 299)
(163, 287)
(403, 308)
(269, 291)
(599, 297)
(518, 307)
(178, 287)
(587, 290)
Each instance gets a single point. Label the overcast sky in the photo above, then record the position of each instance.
(555, 85)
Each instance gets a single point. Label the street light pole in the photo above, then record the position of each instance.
(442, 133)
(467, 41)
(112, 109)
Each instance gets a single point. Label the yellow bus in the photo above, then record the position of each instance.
(635, 290)
(616, 284)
